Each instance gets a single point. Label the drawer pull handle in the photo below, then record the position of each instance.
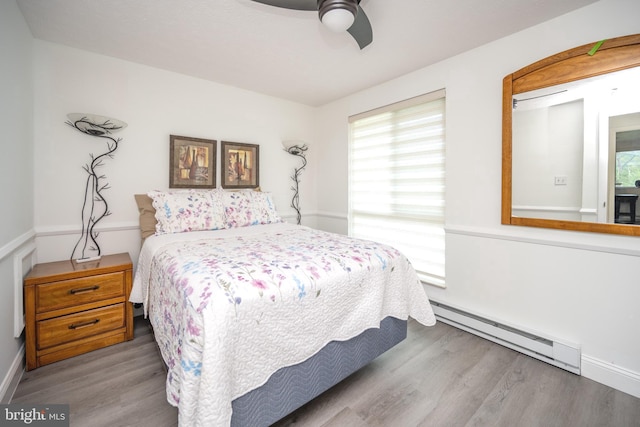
(83, 290)
(83, 324)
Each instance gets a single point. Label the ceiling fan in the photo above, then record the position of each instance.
(337, 15)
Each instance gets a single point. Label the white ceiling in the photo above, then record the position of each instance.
(280, 52)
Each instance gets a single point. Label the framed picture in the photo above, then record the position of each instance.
(192, 162)
(239, 163)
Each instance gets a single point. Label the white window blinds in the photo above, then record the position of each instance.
(396, 180)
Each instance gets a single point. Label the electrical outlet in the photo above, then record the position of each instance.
(560, 180)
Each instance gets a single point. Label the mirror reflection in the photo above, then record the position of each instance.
(576, 150)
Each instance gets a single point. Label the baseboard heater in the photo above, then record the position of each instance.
(562, 355)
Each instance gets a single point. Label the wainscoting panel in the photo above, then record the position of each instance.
(23, 261)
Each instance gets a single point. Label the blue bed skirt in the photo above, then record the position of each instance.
(290, 388)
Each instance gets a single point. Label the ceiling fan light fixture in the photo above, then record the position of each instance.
(337, 15)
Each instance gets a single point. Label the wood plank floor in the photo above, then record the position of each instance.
(438, 376)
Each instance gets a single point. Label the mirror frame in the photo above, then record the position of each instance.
(574, 64)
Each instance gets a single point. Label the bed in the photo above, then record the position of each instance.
(254, 316)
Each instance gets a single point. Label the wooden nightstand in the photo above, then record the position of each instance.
(73, 308)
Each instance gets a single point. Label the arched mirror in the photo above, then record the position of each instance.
(571, 140)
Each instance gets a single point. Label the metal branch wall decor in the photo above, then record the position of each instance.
(297, 149)
(95, 206)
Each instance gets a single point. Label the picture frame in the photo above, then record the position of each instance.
(192, 162)
(240, 165)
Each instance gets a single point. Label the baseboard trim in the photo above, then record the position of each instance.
(12, 379)
(613, 376)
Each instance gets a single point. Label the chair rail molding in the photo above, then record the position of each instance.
(629, 247)
(16, 243)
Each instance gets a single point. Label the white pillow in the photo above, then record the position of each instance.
(179, 211)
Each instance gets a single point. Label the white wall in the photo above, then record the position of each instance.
(549, 144)
(16, 176)
(578, 287)
(155, 104)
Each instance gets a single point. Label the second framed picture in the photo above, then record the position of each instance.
(192, 162)
(240, 165)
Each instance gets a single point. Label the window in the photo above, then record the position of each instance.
(627, 158)
(627, 168)
(396, 180)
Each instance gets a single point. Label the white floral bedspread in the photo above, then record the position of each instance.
(230, 307)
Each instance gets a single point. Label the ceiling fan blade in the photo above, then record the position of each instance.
(291, 4)
(361, 29)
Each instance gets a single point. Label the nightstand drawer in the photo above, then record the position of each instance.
(71, 293)
(73, 327)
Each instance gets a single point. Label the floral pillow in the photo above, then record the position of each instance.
(244, 208)
(180, 211)
(237, 209)
(264, 208)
